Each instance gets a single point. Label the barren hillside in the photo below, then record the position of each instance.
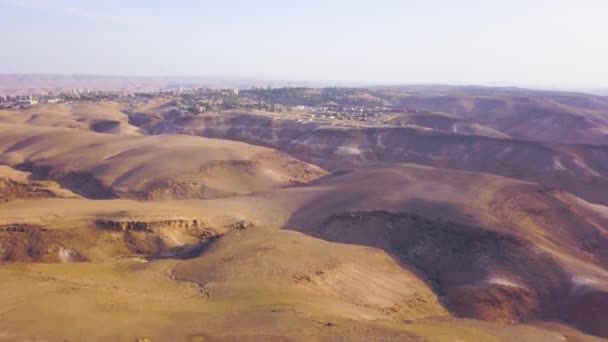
(109, 166)
(521, 113)
(144, 223)
(580, 169)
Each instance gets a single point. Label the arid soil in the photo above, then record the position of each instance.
(113, 229)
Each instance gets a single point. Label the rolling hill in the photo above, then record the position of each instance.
(352, 255)
(521, 113)
(142, 222)
(578, 168)
(108, 166)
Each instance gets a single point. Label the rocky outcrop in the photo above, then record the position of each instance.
(167, 237)
(11, 190)
(240, 225)
(163, 238)
(20, 228)
(34, 243)
(150, 225)
(176, 237)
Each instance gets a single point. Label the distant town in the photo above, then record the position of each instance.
(306, 104)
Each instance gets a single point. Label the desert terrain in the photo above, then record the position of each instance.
(299, 214)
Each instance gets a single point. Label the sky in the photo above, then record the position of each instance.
(551, 43)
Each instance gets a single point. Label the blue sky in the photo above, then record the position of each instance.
(559, 43)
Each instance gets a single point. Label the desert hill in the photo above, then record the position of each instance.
(109, 166)
(445, 123)
(143, 221)
(578, 168)
(467, 245)
(521, 113)
(510, 250)
(103, 117)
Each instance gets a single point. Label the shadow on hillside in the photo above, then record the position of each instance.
(476, 271)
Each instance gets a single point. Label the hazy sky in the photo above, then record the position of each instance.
(515, 42)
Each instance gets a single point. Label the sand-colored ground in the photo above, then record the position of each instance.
(169, 166)
(122, 236)
(267, 281)
(105, 117)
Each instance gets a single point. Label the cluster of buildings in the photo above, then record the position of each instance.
(18, 99)
(47, 97)
(201, 100)
(200, 91)
(350, 113)
(221, 92)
